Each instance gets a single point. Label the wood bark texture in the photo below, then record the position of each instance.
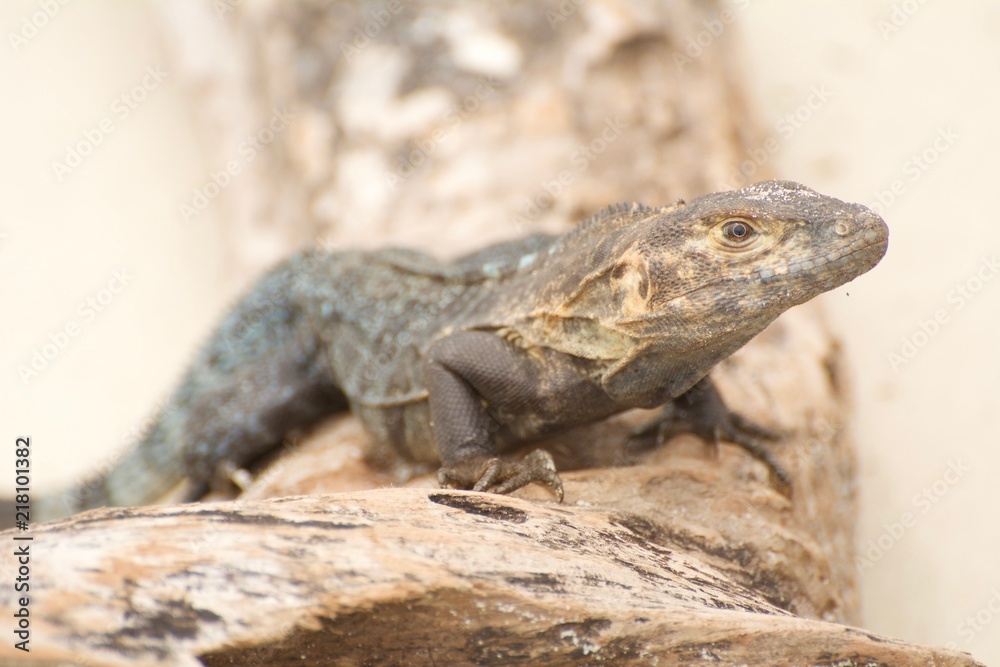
(444, 126)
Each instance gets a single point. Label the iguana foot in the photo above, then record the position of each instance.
(701, 411)
(230, 477)
(486, 473)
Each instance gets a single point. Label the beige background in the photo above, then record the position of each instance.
(881, 93)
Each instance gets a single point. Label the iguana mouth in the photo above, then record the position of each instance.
(871, 240)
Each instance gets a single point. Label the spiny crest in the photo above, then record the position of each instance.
(620, 213)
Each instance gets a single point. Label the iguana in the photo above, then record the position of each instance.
(454, 363)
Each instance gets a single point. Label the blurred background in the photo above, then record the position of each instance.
(108, 289)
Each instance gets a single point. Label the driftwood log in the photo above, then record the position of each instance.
(444, 126)
(681, 558)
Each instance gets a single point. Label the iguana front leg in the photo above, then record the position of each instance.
(473, 380)
(701, 410)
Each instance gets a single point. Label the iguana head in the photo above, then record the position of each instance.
(698, 280)
(729, 263)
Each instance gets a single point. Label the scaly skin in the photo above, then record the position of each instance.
(452, 364)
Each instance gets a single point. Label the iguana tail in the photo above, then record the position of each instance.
(262, 374)
(138, 476)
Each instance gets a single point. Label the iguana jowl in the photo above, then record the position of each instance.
(456, 362)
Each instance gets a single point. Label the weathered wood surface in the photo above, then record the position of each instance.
(410, 577)
(455, 123)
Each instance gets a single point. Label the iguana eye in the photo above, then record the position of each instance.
(737, 231)
(736, 234)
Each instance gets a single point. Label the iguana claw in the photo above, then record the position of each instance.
(702, 412)
(486, 473)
